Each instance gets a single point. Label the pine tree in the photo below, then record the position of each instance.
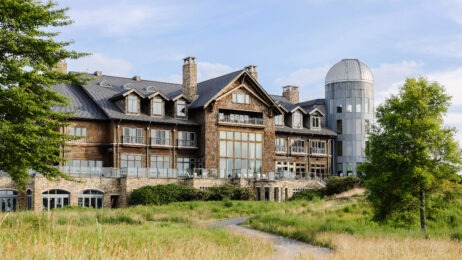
(29, 53)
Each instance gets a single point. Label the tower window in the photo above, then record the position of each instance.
(339, 109)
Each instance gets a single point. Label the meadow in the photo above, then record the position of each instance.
(180, 231)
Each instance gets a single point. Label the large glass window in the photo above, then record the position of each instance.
(318, 170)
(181, 108)
(297, 146)
(91, 199)
(133, 105)
(318, 147)
(160, 137)
(52, 199)
(130, 163)
(8, 200)
(185, 166)
(240, 153)
(133, 136)
(339, 148)
(280, 145)
(240, 117)
(297, 120)
(186, 139)
(279, 120)
(157, 106)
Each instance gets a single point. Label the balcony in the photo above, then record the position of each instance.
(160, 141)
(297, 149)
(187, 143)
(281, 149)
(240, 120)
(132, 139)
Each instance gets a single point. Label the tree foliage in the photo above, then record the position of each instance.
(29, 52)
(413, 159)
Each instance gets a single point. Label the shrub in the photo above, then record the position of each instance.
(225, 191)
(335, 185)
(308, 195)
(165, 194)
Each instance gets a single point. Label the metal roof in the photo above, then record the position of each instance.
(349, 70)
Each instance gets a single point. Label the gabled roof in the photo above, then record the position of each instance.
(126, 93)
(282, 101)
(79, 103)
(310, 105)
(208, 89)
(158, 93)
(316, 110)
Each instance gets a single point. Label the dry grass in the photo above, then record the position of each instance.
(353, 247)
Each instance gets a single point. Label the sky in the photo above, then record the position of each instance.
(291, 42)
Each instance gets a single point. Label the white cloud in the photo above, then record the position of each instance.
(126, 18)
(452, 80)
(304, 77)
(389, 77)
(454, 10)
(97, 61)
(455, 120)
(207, 70)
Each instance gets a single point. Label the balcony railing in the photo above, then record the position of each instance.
(297, 149)
(187, 143)
(132, 139)
(281, 149)
(240, 120)
(160, 141)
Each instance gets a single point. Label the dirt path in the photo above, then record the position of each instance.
(286, 248)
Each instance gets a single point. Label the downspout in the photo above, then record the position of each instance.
(117, 160)
(147, 143)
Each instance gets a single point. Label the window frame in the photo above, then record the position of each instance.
(188, 142)
(162, 141)
(180, 105)
(297, 115)
(130, 105)
(157, 102)
(132, 138)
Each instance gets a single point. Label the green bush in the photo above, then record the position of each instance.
(335, 185)
(308, 195)
(165, 194)
(225, 191)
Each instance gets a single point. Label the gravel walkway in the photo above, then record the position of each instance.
(286, 248)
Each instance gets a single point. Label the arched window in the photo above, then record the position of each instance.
(8, 200)
(52, 199)
(91, 198)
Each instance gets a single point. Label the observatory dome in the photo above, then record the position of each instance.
(349, 70)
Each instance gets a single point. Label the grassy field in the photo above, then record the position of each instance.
(179, 231)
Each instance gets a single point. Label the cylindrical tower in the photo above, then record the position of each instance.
(349, 89)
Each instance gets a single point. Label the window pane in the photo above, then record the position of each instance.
(223, 148)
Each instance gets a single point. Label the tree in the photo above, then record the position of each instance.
(412, 158)
(29, 54)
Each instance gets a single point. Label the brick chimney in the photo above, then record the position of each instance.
(61, 66)
(252, 70)
(136, 78)
(291, 93)
(190, 78)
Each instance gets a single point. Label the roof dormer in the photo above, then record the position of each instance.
(315, 117)
(128, 101)
(296, 119)
(157, 104)
(180, 104)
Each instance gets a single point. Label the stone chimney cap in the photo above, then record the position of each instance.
(98, 73)
(289, 87)
(251, 68)
(137, 78)
(189, 59)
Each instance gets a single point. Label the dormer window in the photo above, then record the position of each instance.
(315, 122)
(279, 120)
(181, 108)
(297, 120)
(157, 106)
(133, 104)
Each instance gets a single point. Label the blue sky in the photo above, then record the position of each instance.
(291, 42)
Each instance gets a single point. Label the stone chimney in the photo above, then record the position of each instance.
(190, 78)
(137, 78)
(98, 73)
(291, 93)
(61, 66)
(252, 70)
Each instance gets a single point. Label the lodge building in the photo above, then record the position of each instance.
(134, 132)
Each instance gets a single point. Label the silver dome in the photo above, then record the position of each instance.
(349, 70)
